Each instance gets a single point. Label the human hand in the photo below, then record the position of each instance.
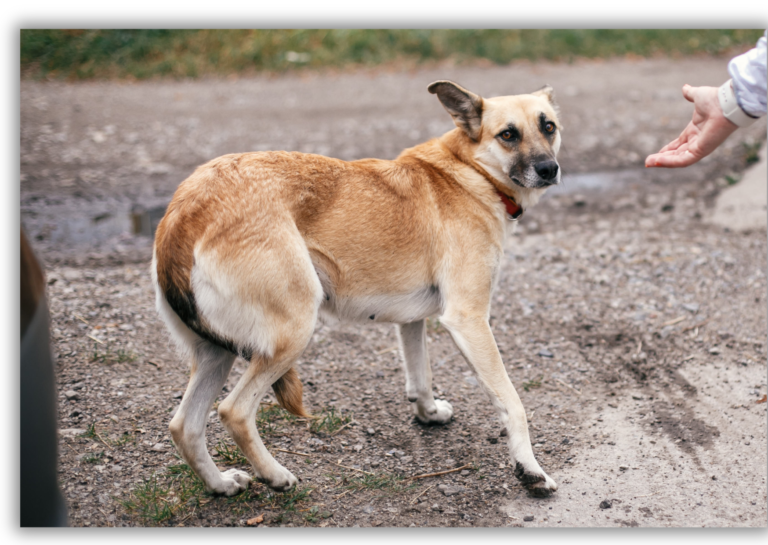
(704, 133)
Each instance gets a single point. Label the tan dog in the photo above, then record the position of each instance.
(255, 246)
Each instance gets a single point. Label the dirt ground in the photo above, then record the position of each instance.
(633, 328)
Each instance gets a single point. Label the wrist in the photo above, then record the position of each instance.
(730, 106)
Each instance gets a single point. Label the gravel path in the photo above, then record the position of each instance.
(633, 328)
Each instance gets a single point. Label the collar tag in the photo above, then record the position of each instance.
(514, 210)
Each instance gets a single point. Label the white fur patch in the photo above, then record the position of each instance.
(228, 314)
(396, 308)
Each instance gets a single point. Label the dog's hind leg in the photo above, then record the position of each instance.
(239, 410)
(418, 375)
(210, 367)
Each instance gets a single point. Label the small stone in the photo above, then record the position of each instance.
(72, 431)
(544, 353)
(71, 394)
(464, 472)
(114, 418)
(606, 504)
(450, 490)
(528, 518)
(368, 509)
(691, 307)
(471, 380)
(714, 350)
(714, 477)
(370, 431)
(158, 447)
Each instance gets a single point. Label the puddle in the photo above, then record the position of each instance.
(599, 181)
(144, 221)
(74, 227)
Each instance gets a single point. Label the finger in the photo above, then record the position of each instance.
(688, 92)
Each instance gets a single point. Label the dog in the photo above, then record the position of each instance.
(254, 247)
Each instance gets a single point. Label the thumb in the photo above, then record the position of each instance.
(688, 92)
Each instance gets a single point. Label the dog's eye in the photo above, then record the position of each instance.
(549, 127)
(507, 135)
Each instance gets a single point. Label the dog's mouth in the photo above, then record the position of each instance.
(517, 181)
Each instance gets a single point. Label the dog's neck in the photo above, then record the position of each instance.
(460, 146)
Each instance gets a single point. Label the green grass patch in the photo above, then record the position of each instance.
(382, 481)
(149, 53)
(231, 456)
(105, 355)
(158, 499)
(315, 514)
(534, 383)
(94, 458)
(750, 152)
(329, 421)
(270, 418)
(120, 441)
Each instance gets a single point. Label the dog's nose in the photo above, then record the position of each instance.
(547, 170)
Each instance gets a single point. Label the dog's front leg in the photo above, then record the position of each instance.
(418, 375)
(472, 335)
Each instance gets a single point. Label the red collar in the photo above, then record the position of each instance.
(514, 210)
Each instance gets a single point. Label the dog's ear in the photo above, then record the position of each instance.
(548, 93)
(465, 107)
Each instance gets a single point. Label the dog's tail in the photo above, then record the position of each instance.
(288, 391)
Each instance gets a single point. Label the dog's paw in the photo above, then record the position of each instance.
(233, 482)
(538, 483)
(440, 413)
(279, 478)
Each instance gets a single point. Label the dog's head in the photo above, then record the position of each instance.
(514, 138)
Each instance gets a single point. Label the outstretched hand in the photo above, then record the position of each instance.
(704, 133)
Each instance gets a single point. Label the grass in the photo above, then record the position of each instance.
(158, 501)
(270, 417)
(150, 53)
(106, 356)
(329, 421)
(315, 515)
(231, 456)
(179, 493)
(123, 440)
(534, 383)
(94, 458)
(382, 481)
(750, 151)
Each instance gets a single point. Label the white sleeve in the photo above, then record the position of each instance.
(748, 72)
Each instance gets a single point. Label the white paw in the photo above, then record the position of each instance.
(279, 478)
(233, 482)
(440, 413)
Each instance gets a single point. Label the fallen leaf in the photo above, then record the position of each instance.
(762, 399)
(255, 520)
